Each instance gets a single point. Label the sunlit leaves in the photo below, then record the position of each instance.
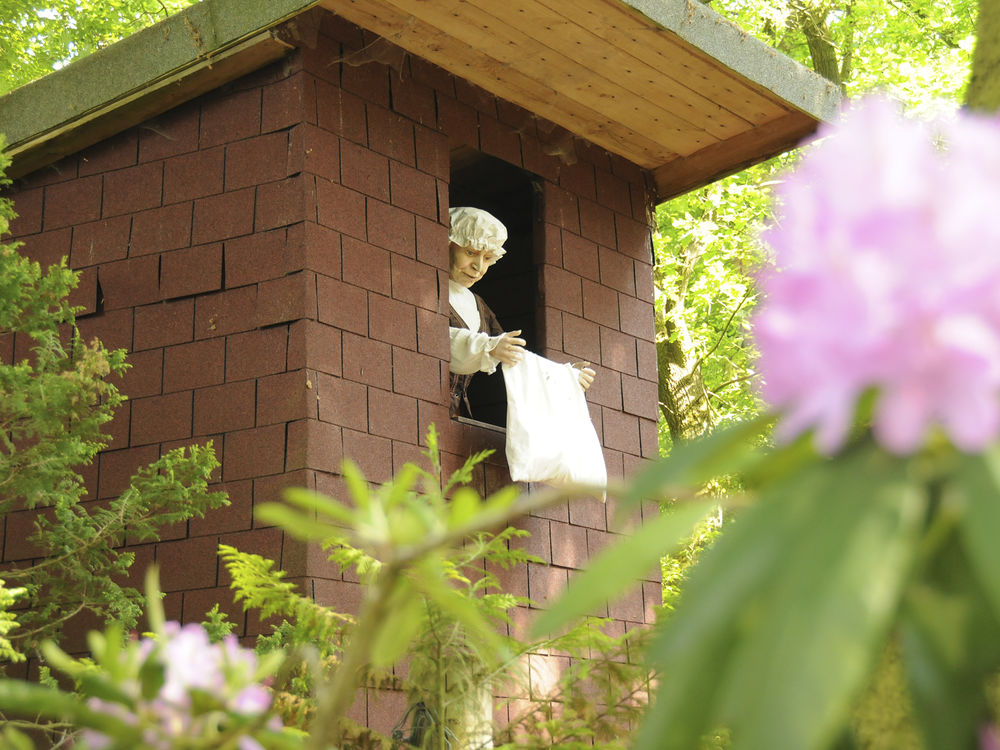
(36, 38)
(706, 253)
(782, 619)
(918, 49)
(705, 245)
(622, 564)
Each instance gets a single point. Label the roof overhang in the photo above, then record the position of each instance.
(667, 84)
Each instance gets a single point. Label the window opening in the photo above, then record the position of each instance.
(510, 287)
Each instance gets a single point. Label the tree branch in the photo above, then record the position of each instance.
(725, 330)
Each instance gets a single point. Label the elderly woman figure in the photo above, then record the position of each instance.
(478, 341)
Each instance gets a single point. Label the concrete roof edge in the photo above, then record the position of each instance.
(184, 39)
(733, 47)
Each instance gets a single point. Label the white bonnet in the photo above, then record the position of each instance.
(478, 229)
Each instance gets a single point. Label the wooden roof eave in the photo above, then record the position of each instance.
(144, 75)
(138, 106)
(667, 84)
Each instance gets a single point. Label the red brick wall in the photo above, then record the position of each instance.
(274, 257)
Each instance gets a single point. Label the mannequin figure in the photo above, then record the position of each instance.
(478, 342)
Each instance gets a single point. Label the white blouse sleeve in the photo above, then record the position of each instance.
(471, 351)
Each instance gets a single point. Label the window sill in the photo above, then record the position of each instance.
(484, 425)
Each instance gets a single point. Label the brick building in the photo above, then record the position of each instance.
(256, 197)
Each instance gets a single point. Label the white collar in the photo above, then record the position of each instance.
(464, 301)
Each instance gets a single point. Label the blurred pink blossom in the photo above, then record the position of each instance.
(223, 673)
(989, 739)
(887, 276)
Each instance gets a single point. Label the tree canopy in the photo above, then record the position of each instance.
(37, 38)
(916, 51)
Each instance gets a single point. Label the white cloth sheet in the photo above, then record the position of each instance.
(550, 436)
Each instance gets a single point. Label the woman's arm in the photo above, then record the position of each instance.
(479, 352)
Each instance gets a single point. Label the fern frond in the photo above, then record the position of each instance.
(260, 587)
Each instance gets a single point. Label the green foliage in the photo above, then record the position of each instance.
(706, 251)
(260, 587)
(705, 243)
(883, 719)
(763, 613)
(448, 673)
(81, 563)
(603, 578)
(217, 624)
(676, 567)
(418, 557)
(432, 597)
(37, 38)
(131, 693)
(8, 597)
(51, 408)
(917, 49)
(599, 698)
(797, 607)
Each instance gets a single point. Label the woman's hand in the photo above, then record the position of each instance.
(510, 348)
(586, 375)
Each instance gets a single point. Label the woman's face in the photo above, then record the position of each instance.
(467, 265)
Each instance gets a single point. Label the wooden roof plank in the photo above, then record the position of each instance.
(498, 39)
(720, 44)
(676, 60)
(581, 43)
(501, 79)
(727, 157)
(591, 53)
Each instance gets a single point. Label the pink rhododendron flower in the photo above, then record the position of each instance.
(887, 276)
(192, 661)
(224, 673)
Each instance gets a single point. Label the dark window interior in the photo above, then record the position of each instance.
(510, 287)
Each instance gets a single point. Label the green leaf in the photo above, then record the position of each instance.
(152, 676)
(430, 580)
(394, 635)
(401, 484)
(154, 600)
(465, 503)
(20, 698)
(356, 483)
(502, 498)
(288, 739)
(15, 740)
(62, 661)
(106, 649)
(782, 619)
(949, 636)
(979, 480)
(700, 636)
(300, 525)
(99, 686)
(828, 608)
(268, 664)
(618, 565)
(321, 505)
(203, 701)
(693, 463)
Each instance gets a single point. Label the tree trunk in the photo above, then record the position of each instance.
(812, 21)
(682, 394)
(984, 84)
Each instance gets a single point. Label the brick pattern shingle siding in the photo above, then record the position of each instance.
(274, 256)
